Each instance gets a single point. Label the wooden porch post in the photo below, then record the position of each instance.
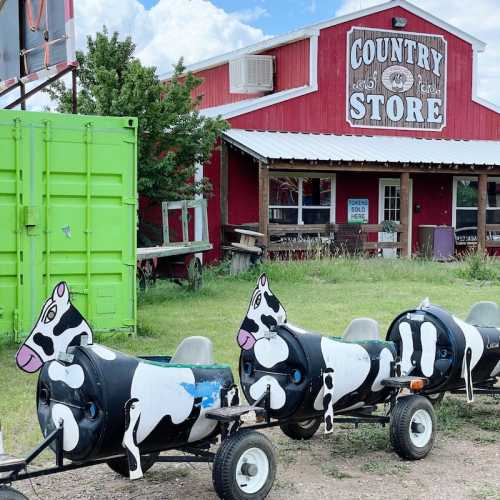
(264, 202)
(224, 167)
(404, 212)
(481, 212)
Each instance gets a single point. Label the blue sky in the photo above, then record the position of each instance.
(276, 16)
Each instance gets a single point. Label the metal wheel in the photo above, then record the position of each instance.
(244, 467)
(413, 427)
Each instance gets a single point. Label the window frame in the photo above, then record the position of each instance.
(455, 207)
(300, 206)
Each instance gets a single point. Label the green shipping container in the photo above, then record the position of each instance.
(67, 212)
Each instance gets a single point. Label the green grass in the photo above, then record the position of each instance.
(320, 295)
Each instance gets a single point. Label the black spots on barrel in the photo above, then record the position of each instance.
(249, 325)
(45, 343)
(272, 302)
(70, 319)
(329, 381)
(268, 321)
(328, 386)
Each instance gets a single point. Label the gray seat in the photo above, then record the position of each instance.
(362, 329)
(194, 351)
(484, 314)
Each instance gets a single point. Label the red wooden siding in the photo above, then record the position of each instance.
(325, 110)
(243, 204)
(434, 195)
(292, 70)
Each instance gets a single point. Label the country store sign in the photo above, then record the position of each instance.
(396, 79)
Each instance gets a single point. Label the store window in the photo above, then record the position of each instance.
(465, 198)
(301, 199)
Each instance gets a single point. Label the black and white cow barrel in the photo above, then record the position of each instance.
(90, 395)
(449, 352)
(297, 383)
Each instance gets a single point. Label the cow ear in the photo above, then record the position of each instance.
(61, 292)
(262, 280)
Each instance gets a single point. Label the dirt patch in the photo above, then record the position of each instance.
(350, 463)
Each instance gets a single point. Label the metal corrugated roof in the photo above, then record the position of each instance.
(326, 147)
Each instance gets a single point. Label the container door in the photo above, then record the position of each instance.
(10, 241)
(389, 206)
(89, 214)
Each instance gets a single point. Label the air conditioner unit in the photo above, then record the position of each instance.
(250, 74)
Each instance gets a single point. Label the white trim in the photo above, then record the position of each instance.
(454, 207)
(475, 97)
(348, 90)
(300, 207)
(396, 181)
(308, 31)
(255, 48)
(240, 108)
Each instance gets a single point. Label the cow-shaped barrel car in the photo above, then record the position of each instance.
(309, 378)
(99, 405)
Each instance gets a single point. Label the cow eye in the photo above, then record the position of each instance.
(257, 301)
(51, 314)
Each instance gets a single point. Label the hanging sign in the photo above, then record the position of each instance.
(396, 79)
(357, 211)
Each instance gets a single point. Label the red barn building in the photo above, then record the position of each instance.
(366, 118)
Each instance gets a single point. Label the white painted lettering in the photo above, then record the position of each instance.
(410, 46)
(376, 102)
(355, 61)
(414, 111)
(358, 110)
(434, 114)
(395, 108)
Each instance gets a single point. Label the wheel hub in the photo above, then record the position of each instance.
(421, 428)
(252, 470)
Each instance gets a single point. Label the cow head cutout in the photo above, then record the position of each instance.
(59, 326)
(264, 313)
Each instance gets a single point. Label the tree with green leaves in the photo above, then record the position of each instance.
(172, 136)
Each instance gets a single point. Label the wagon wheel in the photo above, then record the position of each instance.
(146, 276)
(120, 464)
(413, 427)
(244, 467)
(195, 274)
(8, 493)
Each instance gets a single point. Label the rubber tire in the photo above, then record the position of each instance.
(401, 417)
(226, 460)
(8, 493)
(120, 464)
(436, 399)
(297, 430)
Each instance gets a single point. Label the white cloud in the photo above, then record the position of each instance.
(480, 18)
(249, 15)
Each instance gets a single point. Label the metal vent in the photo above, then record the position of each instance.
(250, 74)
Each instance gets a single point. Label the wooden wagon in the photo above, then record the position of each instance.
(176, 260)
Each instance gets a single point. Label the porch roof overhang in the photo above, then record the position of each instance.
(293, 149)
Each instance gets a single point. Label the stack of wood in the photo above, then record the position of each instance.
(245, 252)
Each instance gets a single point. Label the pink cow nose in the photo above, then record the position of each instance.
(28, 360)
(246, 340)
